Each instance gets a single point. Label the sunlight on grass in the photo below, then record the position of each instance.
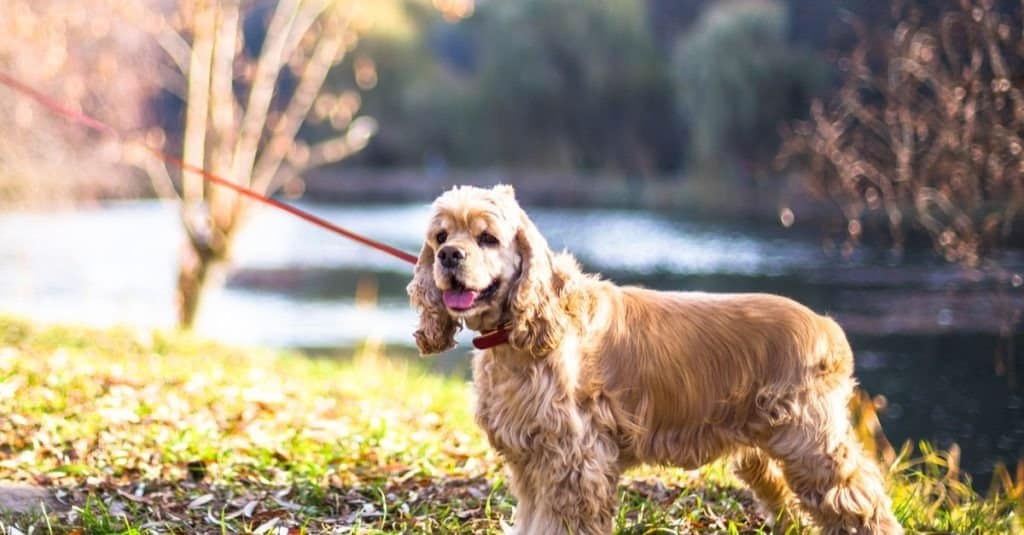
(155, 431)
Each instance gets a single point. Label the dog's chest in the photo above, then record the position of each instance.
(521, 405)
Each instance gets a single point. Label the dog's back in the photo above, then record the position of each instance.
(697, 372)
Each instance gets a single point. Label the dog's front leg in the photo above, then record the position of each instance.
(584, 502)
(566, 491)
(526, 505)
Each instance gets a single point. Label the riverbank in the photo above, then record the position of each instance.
(537, 187)
(134, 431)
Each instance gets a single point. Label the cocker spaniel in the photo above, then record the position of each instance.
(581, 379)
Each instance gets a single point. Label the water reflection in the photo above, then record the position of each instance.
(116, 265)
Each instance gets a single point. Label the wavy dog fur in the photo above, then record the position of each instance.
(597, 378)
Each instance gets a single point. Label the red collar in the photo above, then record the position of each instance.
(491, 339)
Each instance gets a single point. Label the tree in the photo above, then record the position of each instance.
(926, 129)
(251, 74)
(573, 84)
(737, 79)
(246, 75)
(935, 131)
(249, 88)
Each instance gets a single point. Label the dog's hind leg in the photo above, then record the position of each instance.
(765, 478)
(828, 470)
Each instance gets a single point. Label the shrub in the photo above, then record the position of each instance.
(927, 129)
(738, 78)
(928, 124)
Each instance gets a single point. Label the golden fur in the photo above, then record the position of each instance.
(597, 378)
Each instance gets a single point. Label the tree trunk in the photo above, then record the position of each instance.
(194, 270)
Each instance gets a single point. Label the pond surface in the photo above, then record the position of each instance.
(924, 336)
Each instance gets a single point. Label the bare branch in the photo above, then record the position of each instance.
(172, 43)
(327, 50)
(155, 169)
(268, 68)
(194, 144)
(303, 159)
(222, 97)
(936, 132)
(156, 26)
(308, 14)
(331, 151)
(223, 109)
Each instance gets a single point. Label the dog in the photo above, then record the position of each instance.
(581, 379)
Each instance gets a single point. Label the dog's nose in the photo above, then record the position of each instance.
(450, 256)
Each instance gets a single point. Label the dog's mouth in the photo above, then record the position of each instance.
(460, 299)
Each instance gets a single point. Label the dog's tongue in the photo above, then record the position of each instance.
(459, 298)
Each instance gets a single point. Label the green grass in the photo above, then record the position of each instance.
(159, 432)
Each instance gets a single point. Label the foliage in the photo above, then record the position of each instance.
(575, 84)
(421, 105)
(111, 77)
(926, 127)
(142, 432)
(738, 78)
(927, 130)
(540, 83)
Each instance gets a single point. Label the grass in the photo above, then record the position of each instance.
(160, 432)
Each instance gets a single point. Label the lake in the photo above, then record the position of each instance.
(924, 335)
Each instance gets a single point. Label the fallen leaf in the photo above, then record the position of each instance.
(266, 526)
(200, 501)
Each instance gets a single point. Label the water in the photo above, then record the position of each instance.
(922, 333)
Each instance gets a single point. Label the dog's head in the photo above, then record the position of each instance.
(484, 264)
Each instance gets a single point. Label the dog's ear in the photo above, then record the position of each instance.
(436, 332)
(538, 320)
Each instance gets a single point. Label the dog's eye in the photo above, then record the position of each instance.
(487, 239)
(441, 236)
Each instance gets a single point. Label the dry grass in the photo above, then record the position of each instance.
(164, 433)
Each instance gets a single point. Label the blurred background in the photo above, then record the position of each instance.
(863, 157)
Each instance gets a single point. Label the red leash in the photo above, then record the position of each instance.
(106, 129)
(484, 341)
